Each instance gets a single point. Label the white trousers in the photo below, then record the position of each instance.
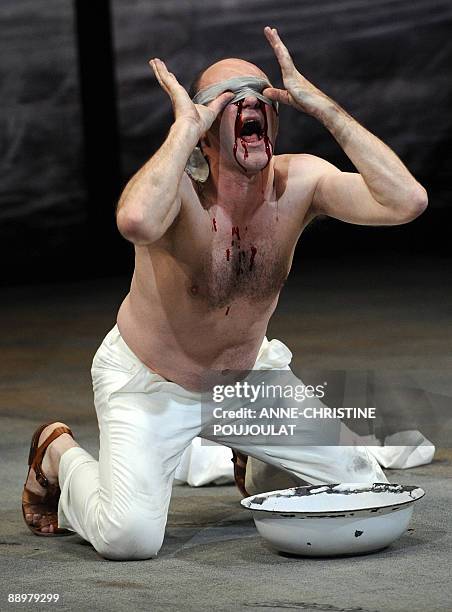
(120, 503)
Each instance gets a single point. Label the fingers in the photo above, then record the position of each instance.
(280, 50)
(277, 95)
(221, 102)
(166, 79)
(179, 96)
(161, 73)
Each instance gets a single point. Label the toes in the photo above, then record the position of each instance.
(48, 524)
(45, 523)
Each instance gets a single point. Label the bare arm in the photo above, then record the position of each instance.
(151, 201)
(383, 192)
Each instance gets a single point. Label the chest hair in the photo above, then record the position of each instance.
(243, 270)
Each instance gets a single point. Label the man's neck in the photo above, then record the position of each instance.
(236, 193)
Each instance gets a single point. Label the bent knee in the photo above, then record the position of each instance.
(128, 547)
(130, 539)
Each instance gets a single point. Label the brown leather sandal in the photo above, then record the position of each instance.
(46, 506)
(240, 460)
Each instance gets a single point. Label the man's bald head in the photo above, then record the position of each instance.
(220, 143)
(223, 70)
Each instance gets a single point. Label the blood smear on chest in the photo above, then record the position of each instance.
(253, 255)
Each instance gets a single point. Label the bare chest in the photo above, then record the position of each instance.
(244, 265)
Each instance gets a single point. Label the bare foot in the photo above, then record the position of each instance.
(50, 466)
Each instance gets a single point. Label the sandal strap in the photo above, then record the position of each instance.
(35, 499)
(36, 463)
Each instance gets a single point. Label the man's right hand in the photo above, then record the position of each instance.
(151, 199)
(184, 109)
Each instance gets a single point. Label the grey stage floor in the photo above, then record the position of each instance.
(355, 315)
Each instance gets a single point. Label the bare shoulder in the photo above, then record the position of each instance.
(302, 166)
(296, 179)
(189, 194)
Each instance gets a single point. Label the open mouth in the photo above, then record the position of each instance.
(252, 130)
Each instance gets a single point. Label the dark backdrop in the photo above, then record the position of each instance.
(69, 143)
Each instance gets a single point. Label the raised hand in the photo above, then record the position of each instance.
(298, 92)
(183, 107)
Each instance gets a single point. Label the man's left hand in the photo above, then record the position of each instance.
(298, 92)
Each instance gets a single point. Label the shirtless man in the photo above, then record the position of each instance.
(211, 259)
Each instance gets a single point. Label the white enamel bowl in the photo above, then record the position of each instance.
(328, 520)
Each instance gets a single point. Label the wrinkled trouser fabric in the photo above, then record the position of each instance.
(120, 503)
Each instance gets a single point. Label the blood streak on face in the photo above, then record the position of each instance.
(237, 129)
(267, 142)
(228, 254)
(227, 310)
(236, 231)
(214, 224)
